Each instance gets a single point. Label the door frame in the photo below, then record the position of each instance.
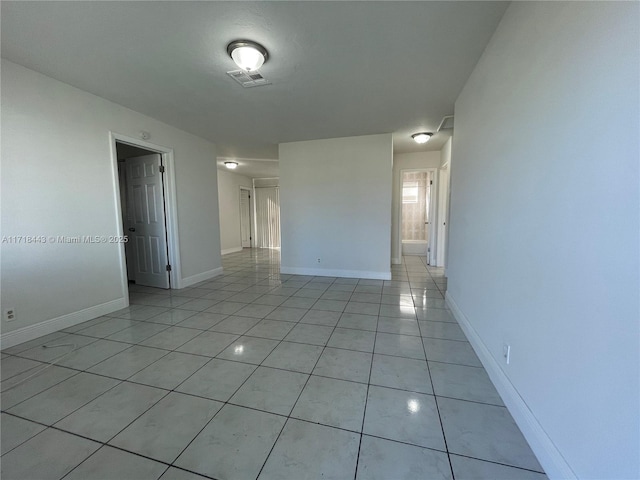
(171, 209)
(251, 214)
(433, 212)
(443, 213)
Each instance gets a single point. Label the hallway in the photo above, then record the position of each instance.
(255, 374)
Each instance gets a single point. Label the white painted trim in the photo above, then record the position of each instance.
(200, 277)
(251, 230)
(433, 216)
(323, 272)
(31, 332)
(115, 184)
(170, 197)
(396, 261)
(227, 251)
(442, 207)
(554, 464)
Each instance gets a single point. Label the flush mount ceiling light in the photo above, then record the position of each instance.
(248, 55)
(231, 165)
(422, 137)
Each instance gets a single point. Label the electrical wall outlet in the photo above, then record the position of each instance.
(506, 353)
(318, 260)
(9, 314)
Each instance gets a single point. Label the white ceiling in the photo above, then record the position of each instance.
(337, 68)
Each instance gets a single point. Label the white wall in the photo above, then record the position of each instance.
(544, 229)
(335, 204)
(402, 161)
(58, 179)
(229, 199)
(445, 153)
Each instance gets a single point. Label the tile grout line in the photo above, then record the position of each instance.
(227, 402)
(250, 408)
(257, 279)
(444, 438)
(216, 414)
(366, 401)
(295, 403)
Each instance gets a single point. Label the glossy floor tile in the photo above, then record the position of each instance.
(258, 374)
(332, 402)
(102, 418)
(113, 464)
(271, 390)
(407, 417)
(16, 431)
(383, 459)
(49, 455)
(165, 430)
(305, 450)
(234, 445)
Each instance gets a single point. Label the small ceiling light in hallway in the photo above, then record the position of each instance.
(248, 55)
(231, 165)
(422, 137)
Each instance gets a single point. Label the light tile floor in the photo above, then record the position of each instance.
(256, 374)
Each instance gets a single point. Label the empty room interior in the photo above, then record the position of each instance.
(320, 240)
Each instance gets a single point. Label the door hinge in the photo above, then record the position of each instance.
(161, 168)
(168, 268)
(430, 182)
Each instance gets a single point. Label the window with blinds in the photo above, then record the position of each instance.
(267, 217)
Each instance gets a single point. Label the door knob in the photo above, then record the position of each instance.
(131, 229)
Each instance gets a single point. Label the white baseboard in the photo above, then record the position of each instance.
(227, 251)
(200, 277)
(554, 464)
(324, 272)
(31, 332)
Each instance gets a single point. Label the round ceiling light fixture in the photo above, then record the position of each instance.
(248, 55)
(231, 165)
(422, 137)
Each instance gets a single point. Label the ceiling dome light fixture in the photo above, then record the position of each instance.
(231, 165)
(422, 137)
(248, 55)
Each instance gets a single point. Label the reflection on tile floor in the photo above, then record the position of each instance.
(257, 374)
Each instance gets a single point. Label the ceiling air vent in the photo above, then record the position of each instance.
(446, 123)
(248, 79)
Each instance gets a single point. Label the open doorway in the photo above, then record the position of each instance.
(141, 180)
(267, 212)
(245, 217)
(417, 212)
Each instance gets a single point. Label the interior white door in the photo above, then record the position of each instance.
(431, 215)
(443, 200)
(245, 218)
(146, 221)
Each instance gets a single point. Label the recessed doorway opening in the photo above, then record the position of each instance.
(417, 212)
